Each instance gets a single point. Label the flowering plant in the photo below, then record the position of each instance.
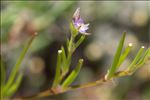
(63, 79)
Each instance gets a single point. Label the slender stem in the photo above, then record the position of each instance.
(69, 55)
(58, 90)
(70, 44)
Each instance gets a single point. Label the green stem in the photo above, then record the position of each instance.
(69, 55)
(70, 44)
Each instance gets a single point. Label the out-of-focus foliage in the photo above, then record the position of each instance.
(20, 19)
(10, 86)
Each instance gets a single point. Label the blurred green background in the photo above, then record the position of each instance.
(108, 19)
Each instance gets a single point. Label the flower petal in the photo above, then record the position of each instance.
(79, 23)
(84, 27)
(76, 15)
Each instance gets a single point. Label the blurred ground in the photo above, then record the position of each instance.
(20, 19)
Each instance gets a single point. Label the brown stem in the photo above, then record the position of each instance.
(58, 90)
(55, 91)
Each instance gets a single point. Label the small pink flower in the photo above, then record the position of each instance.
(79, 23)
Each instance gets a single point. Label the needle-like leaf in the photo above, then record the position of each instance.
(142, 60)
(144, 57)
(116, 57)
(58, 70)
(18, 63)
(14, 86)
(73, 74)
(79, 41)
(64, 60)
(124, 54)
(137, 58)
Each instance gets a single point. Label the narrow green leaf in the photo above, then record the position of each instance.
(58, 70)
(73, 74)
(3, 76)
(142, 60)
(70, 49)
(116, 57)
(14, 86)
(79, 41)
(3, 73)
(18, 63)
(144, 57)
(137, 58)
(124, 54)
(63, 53)
(64, 62)
(68, 62)
(64, 66)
